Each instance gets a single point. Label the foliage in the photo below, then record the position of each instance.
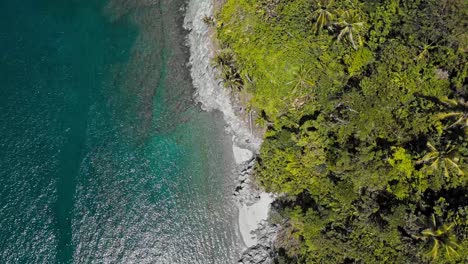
(322, 14)
(442, 238)
(366, 108)
(228, 73)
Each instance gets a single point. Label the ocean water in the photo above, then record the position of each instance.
(104, 156)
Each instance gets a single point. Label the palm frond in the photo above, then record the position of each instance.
(431, 147)
(428, 157)
(435, 250)
(448, 115)
(446, 171)
(455, 166)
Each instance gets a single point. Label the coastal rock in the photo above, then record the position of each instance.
(254, 206)
(245, 172)
(213, 96)
(209, 92)
(251, 217)
(262, 252)
(242, 178)
(242, 155)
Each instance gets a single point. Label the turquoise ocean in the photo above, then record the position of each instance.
(104, 156)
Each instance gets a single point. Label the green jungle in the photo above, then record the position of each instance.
(365, 106)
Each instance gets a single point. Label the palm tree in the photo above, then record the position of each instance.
(442, 238)
(460, 117)
(425, 50)
(224, 62)
(209, 20)
(301, 79)
(231, 78)
(444, 160)
(322, 15)
(459, 113)
(350, 26)
(224, 57)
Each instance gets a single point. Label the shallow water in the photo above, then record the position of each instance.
(104, 158)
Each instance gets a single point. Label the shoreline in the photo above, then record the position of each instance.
(252, 203)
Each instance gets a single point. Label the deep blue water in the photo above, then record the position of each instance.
(104, 158)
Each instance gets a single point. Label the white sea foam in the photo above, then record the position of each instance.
(209, 92)
(213, 96)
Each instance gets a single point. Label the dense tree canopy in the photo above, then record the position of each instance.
(366, 103)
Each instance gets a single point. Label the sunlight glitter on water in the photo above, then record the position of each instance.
(110, 161)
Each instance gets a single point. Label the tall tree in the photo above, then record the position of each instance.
(322, 15)
(350, 27)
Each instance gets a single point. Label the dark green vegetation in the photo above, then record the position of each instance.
(366, 108)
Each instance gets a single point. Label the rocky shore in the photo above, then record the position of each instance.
(254, 204)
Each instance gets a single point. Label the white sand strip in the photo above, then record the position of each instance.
(251, 216)
(213, 96)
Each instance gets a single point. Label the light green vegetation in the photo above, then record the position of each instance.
(366, 108)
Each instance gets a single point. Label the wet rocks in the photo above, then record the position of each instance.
(262, 252)
(212, 96)
(246, 193)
